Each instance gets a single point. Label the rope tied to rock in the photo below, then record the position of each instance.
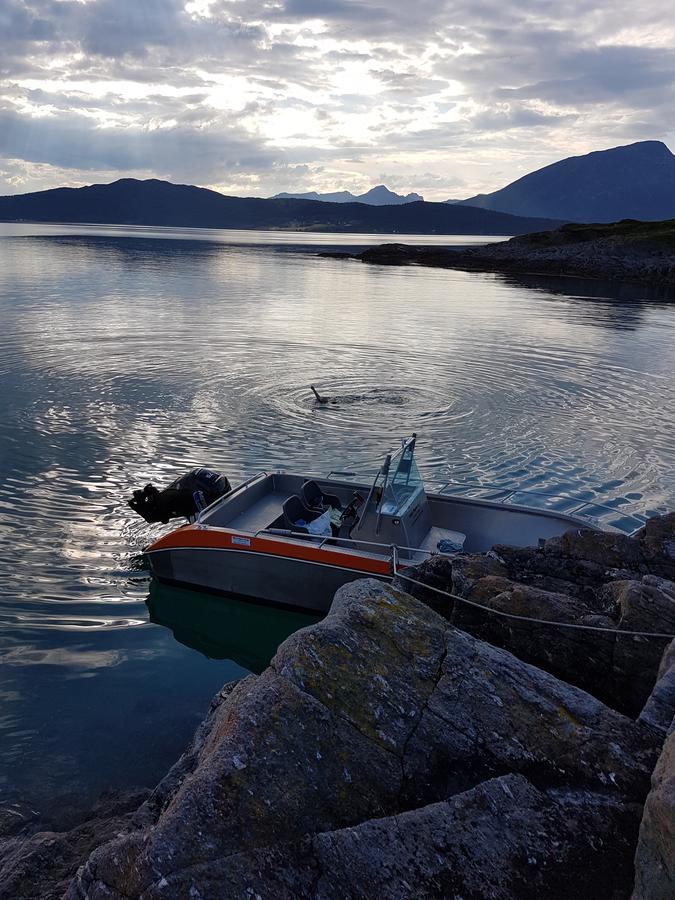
(506, 615)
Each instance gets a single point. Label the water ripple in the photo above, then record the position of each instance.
(127, 363)
(127, 358)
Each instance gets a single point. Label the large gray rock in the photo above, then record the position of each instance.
(378, 710)
(655, 855)
(494, 841)
(645, 605)
(491, 713)
(583, 658)
(576, 563)
(606, 550)
(275, 766)
(374, 661)
(468, 569)
(659, 710)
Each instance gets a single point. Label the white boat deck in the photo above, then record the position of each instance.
(261, 514)
(436, 534)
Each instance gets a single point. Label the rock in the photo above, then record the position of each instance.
(501, 839)
(436, 571)
(545, 845)
(391, 255)
(403, 670)
(604, 549)
(15, 818)
(492, 713)
(655, 855)
(41, 866)
(275, 766)
(162, 795)
(659, 709)
(657, 542)
(583, 577)
(379, 712)
(374, 661)
(468, 569)
(484, 590)
(456, 575)
(599, 254)
(583, 658)
(523, 600)
(576, 563)
(646, 605)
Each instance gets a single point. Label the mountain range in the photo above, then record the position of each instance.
(152, 202)
(632, 182)
(636, 181)
(377, 196)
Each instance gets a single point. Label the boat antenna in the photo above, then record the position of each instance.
(319, 398)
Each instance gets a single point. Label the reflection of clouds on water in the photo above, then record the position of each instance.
(144, 358)
(128, 361)
(74, 658)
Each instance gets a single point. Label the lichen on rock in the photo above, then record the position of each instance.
(384, 746)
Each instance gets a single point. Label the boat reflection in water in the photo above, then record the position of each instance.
(224, 627)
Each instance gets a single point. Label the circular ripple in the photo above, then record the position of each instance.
(125, 364)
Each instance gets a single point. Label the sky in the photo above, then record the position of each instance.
(253, 97)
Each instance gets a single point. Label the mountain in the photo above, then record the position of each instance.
(377, 196)
(153, 202)
(632, 182)
(335, 197)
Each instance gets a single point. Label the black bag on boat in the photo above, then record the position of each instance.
(183, 497)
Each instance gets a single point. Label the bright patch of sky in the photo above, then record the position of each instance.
(443, 97)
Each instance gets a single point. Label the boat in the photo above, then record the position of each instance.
(294, 539)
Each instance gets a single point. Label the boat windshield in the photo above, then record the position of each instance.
(404, 485)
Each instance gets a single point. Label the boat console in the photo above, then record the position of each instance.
(397, 509)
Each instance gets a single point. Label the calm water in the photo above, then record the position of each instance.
(131, 355)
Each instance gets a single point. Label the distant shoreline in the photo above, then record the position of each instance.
(640, 252)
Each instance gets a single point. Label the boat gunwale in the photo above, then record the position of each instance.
(573, 519)
(265, 544)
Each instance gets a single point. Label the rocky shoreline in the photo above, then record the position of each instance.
(412, 746)
(633, 252)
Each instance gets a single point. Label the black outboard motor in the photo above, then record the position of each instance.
(185, 496)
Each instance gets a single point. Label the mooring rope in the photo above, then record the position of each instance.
(505, 615)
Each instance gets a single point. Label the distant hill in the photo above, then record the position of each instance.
(152, 202)
(632, 182)
(377, 196)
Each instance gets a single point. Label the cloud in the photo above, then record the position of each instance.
(237, 93)
(175, 153)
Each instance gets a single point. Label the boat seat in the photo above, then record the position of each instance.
(294, 511)
(315, 498)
